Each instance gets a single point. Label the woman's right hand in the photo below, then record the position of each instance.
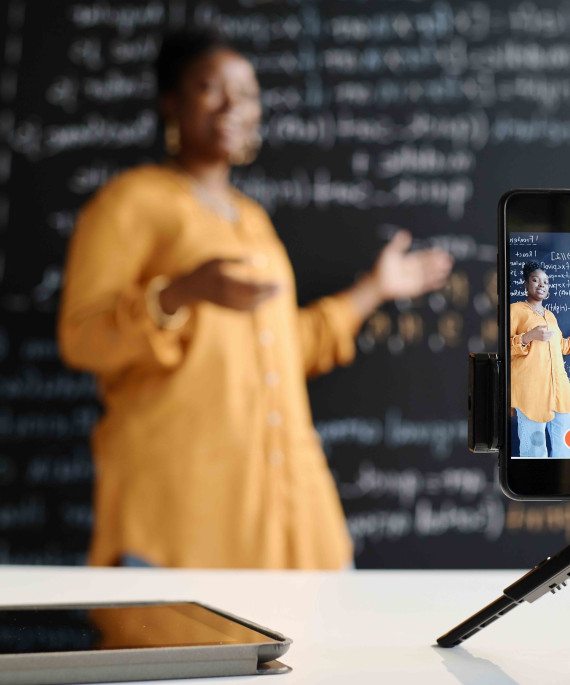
(540, 333)
(212, 283)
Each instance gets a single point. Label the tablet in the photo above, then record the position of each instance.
(97, 643)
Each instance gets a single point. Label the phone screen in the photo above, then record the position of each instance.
(37, 630)
(536, 338)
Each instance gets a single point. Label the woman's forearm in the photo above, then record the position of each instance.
(365, 296)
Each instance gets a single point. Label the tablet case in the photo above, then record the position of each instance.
(157, 663)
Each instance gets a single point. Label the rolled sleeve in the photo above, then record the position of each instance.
(517, 348)
(327, 329)
(104, 324)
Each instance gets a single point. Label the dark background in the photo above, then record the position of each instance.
(377, 115)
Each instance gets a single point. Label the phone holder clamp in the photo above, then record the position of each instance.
(485, 393)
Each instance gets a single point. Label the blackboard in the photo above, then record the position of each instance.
(377, 115)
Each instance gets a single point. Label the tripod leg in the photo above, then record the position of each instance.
(474, 623)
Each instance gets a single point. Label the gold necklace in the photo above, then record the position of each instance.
(225, 210)
(534, 309)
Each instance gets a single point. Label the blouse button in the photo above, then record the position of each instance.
(274, 418)
(266, 337)
(272, 378)
(276, 458)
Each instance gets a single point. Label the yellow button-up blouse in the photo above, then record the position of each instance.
(539, 383)
(205, 455)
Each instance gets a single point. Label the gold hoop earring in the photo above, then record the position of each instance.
(249, 151)
(547, 296)
(172, 137)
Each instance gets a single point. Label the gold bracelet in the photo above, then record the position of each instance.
(169, 322)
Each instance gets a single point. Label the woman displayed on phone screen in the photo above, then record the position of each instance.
(540, 390)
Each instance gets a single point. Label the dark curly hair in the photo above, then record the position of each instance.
(528, 268)
(180, 49)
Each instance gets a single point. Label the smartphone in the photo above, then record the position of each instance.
(534, 343)
(48, 645)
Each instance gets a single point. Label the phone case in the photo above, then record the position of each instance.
(504, 348)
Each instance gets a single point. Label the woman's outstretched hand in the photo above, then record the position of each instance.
(399, 274)
(540, 333)
(212, 282)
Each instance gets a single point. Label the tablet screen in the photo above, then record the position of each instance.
(25, 631)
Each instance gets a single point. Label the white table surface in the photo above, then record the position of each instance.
(349, 628)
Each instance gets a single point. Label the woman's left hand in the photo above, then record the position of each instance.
(400, 274)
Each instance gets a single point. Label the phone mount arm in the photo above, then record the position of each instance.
(486, 435)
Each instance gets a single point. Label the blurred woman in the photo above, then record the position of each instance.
(540, 390)
(181, 299)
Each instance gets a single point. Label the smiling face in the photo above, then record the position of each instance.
(216, 103)
(537, 285)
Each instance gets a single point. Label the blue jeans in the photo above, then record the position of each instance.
(130, 561)
(532, 436)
